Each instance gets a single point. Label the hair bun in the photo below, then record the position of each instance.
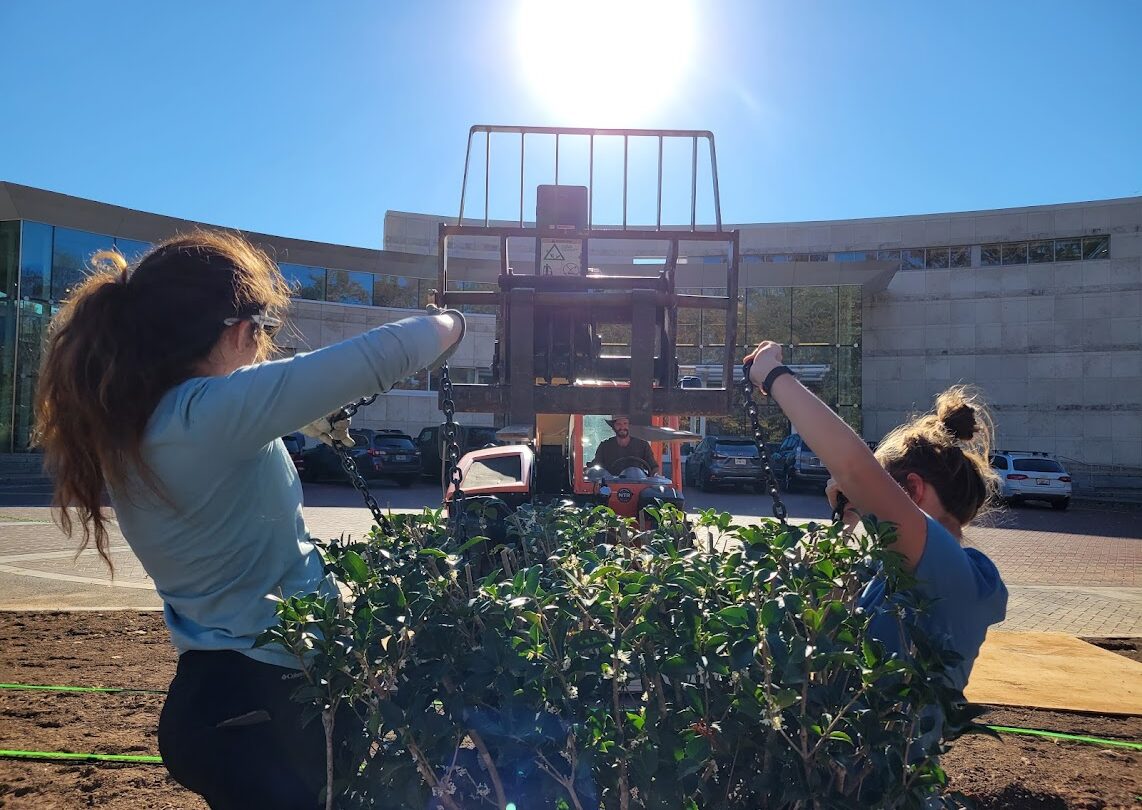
(960, 421)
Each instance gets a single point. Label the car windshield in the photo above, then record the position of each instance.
(394, 443)
(1045, 465)
(742, 449)
(292, 443)
(360, 437)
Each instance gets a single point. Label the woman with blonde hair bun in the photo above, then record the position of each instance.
(929, 477)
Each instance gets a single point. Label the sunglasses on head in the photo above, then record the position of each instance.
(267, 323)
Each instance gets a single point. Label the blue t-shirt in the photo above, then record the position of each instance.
(968, 597)
(227, 535)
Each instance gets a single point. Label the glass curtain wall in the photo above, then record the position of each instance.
(819, 329)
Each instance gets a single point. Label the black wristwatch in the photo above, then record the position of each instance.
(772, 376)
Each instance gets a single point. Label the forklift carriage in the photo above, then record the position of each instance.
(551, 380)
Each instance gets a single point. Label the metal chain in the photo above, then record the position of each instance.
(350, 466)
(779, 510)
(452, 473)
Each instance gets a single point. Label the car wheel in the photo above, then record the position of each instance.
(405, 481)
(1061, 504)
(705, 483)
(786, 481)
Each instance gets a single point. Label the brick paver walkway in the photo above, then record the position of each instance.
(1063, 581)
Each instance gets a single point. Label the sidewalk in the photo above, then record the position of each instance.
(1082, 585)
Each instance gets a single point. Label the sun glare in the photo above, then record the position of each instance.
(608, 63)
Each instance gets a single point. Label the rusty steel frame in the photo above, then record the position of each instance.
(651, 302)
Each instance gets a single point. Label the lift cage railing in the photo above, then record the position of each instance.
(541, 353)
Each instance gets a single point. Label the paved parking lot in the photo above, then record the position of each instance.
(1077, 572)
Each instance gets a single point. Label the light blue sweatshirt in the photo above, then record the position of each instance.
(231, 535)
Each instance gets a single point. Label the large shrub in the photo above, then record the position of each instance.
(599, 667)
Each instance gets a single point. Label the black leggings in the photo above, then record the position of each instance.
(230, 732)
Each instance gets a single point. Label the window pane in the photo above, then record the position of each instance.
(936, 258)
(815, 315)
(848, 376)
(767, 314)
(780, 257)
(888, 255)
(71, 254)
(990, 255)
(1040, 252)
(912, 259)
(349, 287)
(9, 263)
(131, 249)
(1068, 250)
(402, 291)
(849, 315)
(818, 257)
(713, 329)
(689, 355)
(855, 256)
(1096, 247)
(818, 370)
(389, 291)
(615, 338)
(1015, 253)
(305, 282)
(960, 257)
(35, 260)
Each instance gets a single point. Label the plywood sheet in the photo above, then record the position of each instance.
(1054, 671)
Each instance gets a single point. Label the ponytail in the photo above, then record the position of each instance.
(125, 337)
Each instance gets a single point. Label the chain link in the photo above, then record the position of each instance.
(779, 510)
(452, 472)
(350, 466)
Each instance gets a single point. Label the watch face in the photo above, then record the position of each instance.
(624, 495)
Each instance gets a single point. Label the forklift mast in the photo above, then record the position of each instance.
(549, 351)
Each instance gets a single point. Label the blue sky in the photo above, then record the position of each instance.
(311, 119)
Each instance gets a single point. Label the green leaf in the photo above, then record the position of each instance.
(355, 567)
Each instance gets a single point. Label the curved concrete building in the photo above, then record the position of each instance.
(1041, 307)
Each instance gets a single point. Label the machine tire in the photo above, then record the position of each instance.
(1061, 504)
(405, 481)
(704, 482)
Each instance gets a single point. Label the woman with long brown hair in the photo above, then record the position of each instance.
(157, 389)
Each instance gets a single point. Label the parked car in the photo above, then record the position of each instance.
(722, 460)
(469, 437)
(795, 464)
(295, 445)
(378, 454)
(1028, 476)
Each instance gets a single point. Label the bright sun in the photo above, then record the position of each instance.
(605, 62)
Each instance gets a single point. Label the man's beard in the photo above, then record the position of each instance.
(622, 434)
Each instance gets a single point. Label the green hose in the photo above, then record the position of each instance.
(78, 688)
(82, 757)
(1056, 735)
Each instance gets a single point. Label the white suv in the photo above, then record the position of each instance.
(1026, 475)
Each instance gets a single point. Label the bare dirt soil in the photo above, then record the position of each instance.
(131, 650)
